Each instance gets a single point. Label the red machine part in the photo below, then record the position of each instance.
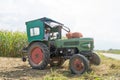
(70, 35)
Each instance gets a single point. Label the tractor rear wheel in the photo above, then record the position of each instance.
(78, 64)
(95, 59)
(38, 55)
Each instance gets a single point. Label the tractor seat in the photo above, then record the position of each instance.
(70, 35)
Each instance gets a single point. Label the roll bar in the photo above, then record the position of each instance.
(66, 28)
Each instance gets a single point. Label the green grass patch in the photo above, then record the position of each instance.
(54, 75)
(114, 51)
(11, 43)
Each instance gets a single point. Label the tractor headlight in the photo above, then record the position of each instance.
(89, 45)
(86, 45)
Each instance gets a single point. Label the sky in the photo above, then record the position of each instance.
(99, 19)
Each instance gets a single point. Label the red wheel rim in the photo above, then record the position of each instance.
(78, 65)
(37, 55)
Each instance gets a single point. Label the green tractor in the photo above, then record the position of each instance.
(55, 50)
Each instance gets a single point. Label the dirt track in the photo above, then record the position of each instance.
(14, 68)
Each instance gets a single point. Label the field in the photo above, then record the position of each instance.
(12, 67)
(15, 69)
(114, 51)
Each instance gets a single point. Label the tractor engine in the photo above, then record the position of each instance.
(65, 53)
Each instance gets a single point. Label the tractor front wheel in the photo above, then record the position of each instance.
(78, 64)
(38, 55)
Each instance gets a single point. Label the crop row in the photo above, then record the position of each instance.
(11, 43)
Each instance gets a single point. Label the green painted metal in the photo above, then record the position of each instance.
(35, 24)
(41, 23)
(83, 44)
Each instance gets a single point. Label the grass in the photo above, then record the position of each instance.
(113, 51)
(55, 76)
(11, 43)
(109, 69)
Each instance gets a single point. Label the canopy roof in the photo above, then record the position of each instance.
(50, 22)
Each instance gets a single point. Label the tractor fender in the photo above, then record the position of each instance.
(45, 42)
(26, 48)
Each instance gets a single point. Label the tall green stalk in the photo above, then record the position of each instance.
(11, 43)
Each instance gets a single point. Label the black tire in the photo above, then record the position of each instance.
(78, 64)
(95, 59)
(38, 55)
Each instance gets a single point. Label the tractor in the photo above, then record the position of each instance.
(56, 50)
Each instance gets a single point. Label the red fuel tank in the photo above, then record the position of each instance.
(74, 35)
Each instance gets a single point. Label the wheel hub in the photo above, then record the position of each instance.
(37, 55)
(78, 65)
